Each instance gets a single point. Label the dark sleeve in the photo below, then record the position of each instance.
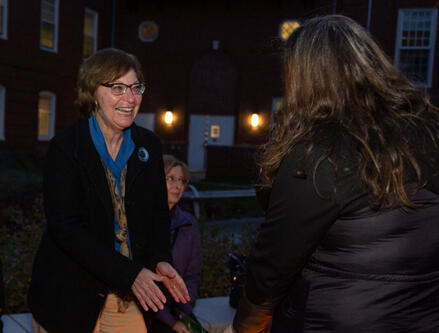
(68, 227)
(192, 274)
(165, 316)
(297, 218)
(159, 247)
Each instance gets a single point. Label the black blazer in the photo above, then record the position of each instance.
(76, 264)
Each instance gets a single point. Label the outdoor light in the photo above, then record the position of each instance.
(169, 117)
(255, 120)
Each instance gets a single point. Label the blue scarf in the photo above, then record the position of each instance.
(126, 149)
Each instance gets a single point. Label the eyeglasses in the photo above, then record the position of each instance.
(179, 181)
(118, 89)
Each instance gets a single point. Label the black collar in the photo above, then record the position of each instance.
(88, 156)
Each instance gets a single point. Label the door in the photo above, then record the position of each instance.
(208, 130)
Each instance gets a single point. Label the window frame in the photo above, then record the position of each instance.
(95, 29)
(47, 137)
(56, 25)
(4, 35)
(431, 48)
(2, 112)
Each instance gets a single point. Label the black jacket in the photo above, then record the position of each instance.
(76, 264)
(326, 262)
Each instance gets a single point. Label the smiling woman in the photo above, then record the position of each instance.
(93, 272)
(116, 111)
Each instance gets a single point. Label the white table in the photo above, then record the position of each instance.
(214, 313)
(17, 323)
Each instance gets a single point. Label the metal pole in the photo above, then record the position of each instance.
(334, 7)
(369, 15)
(206, 141)
(113, 24)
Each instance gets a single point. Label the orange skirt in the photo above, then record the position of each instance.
(112, 321)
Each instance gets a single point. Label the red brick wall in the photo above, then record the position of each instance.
(25, 69)
(247, 32)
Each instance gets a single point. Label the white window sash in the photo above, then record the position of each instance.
(430, 47)
(55, 22)
(4, 34)
(95, 28)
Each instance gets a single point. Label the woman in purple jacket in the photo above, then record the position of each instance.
(186, 248)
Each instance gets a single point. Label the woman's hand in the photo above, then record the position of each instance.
(180, 328)
(173, 282)
(146, 290)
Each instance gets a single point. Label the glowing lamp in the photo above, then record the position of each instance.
(255, 120)
(169, 117)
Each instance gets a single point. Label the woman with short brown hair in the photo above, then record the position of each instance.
(106, 246)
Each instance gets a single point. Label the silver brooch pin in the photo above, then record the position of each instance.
(143, 154)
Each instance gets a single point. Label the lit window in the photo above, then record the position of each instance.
(276, 105)
(46, 115)
(415, 41)
(148, 31)
(2, 112)
(49, 25)
(286, 29)
(90, 32)
(4, 19)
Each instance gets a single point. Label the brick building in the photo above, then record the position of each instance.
(212, 64)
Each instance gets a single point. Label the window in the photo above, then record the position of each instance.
(46, 115)
(276, 105)
(49, 25)
(416, 35)
(90, 33)
(286, 28)
(4, 19)
(2, 112)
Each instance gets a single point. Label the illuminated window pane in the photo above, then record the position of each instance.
(49, 24)
(90, 32)
(287, 28)
(276, 105)
(43, 122)
(47, 36)
(46, 115)
(88, 46)
(43, 115)
(89, 24)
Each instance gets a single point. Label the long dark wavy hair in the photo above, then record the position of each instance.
(337, 76)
